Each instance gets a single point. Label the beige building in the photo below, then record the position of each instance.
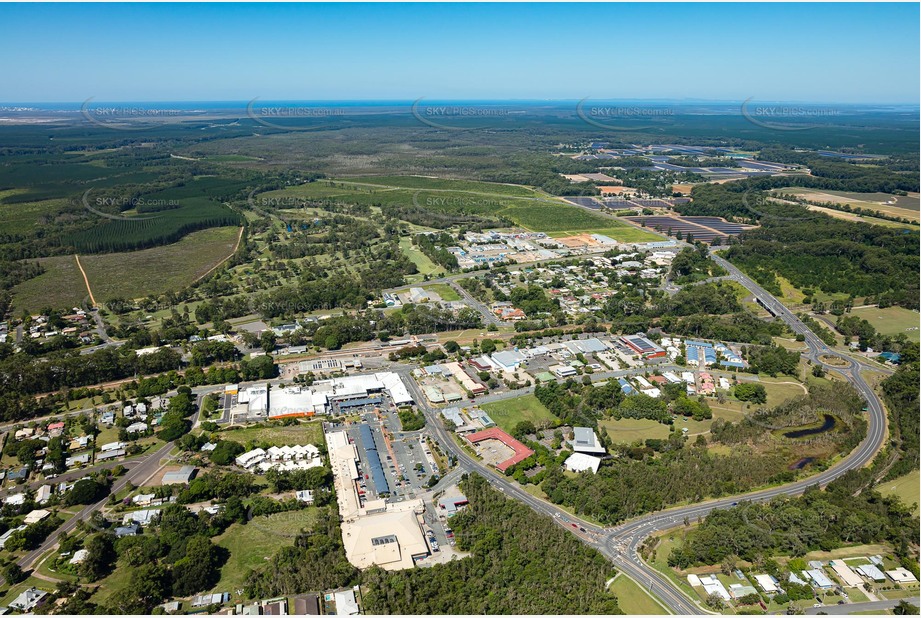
(386, 534)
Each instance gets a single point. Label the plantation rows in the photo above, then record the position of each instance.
(124, 235)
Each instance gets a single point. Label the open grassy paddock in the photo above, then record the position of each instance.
(278, 435)
(445, 291)
(154, 271)
(422, 262)
(907, 487)
(892, 320)
(509, 412)
(60, 286)
(252, 545)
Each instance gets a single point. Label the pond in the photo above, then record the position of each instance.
(828, 424)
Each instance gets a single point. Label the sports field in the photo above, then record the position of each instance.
(892, 320)
(509, 412)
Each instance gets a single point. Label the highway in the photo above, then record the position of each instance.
(620, 544)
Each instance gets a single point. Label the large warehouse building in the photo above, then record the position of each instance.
(323, 397)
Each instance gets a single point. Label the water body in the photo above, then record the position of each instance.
(802, 463)
(828, 424)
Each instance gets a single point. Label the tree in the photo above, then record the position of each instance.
(98, 563)
(225, 451)
(487, 346)
(267, 341)
(85, 491)
(13, 573)
(749, 391)
(904, 608)
(198, 570)
(451, 346)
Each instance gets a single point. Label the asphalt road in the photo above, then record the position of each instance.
(870, 606)
(620, 544)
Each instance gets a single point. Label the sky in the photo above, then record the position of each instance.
(841, 53)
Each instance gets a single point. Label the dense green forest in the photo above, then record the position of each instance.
(817, 520)
(520, 563)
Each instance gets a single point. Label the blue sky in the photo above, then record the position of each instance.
(843, 53)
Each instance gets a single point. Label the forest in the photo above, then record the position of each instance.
(520, 563)
(792, 526)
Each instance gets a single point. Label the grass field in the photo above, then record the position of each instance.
(25, 217)
(278, 435)
(629, 430)
(892, 320)
(850, 216)
(525, 207)
(510, 412)
(903, 206)
(252, 545)
(445, 291)
(153, 271)
(422, 262)
(633, 599)
(781, 389)
(60, 286)
(907, 487)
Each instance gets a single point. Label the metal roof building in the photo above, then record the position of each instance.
(373, 459)
(584, 440)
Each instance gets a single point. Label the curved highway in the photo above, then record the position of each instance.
(621, 543)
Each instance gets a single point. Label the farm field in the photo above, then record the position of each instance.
(907, 487)
(137, 274)
(633, 599)
(278, 435)
(250, 546)
(26, 217)
(892, 320)
(510, 412)
(521, 205)
(60, 286)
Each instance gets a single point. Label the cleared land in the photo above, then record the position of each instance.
(902, 206)
(629, 430)
(510, 412)
(892, 320)
(907, 487)
(422, 262)
(250, 546)
(525, 207)
(623, 233)
(445, 291)
(633, 599)
(154, 271)
(60, 286)
(278, 435)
